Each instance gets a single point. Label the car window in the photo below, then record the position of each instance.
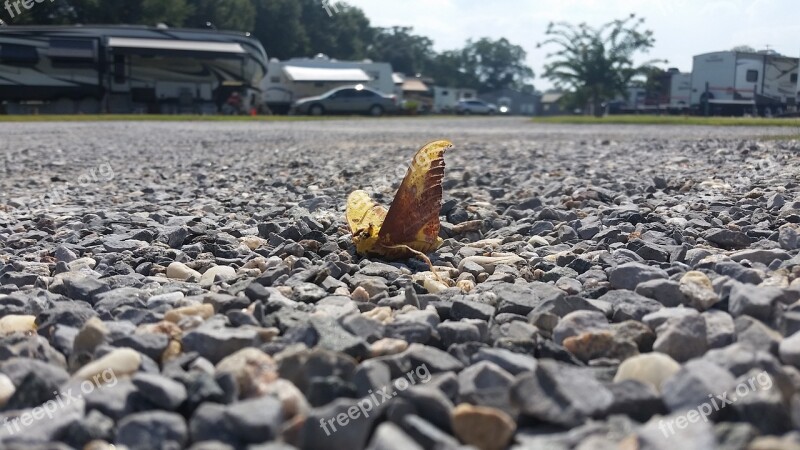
(366, 94)
(344, 93)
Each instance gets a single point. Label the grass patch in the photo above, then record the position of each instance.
(672, 120)
(156, 118)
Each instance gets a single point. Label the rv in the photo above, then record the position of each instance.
(736, 83)
(680, 91)
(296, 78)
(127, 69)
(445, 99)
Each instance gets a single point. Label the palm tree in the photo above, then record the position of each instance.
(597, 63)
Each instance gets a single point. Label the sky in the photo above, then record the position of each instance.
(682, 28)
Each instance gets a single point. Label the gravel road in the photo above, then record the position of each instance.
(193, 285)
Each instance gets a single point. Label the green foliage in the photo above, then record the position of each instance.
(304, 28)
(447, 68)
(279, 29)
(484, 65)
(496, 64)
(172, 13)
(597, 63)
(407, 52)
(223, 14)
(343, 35)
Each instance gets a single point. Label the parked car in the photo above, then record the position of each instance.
(475, 107)
(347, 100)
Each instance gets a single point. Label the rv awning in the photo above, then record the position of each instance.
(173, 46)
(715, 101)
(296, 73)
(413, 85)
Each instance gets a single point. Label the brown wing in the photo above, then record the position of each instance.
(413, 217)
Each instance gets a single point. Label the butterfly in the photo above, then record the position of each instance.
(411, 225)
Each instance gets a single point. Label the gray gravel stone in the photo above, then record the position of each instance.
(629, 275)
(579, 322)
(560, 394)
(694, 382)
(682, 338)
(152, 429)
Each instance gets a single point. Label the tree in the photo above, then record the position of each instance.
(145, 12)
(597, 63)
(278, 27)
(483, 65)
(406, 52)
(342, 34)
(496, 64)
(448, 69)
(238, 15)
(172, 13)
(743, 48)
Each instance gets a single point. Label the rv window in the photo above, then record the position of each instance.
(72, 49)
(119, 69)
(752, 76)
(72, 53)
(18, 55)
(793, 78)
(274, 79)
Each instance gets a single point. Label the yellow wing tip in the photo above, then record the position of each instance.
(439, 143)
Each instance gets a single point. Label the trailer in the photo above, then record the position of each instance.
(445, 99)
(296, 78)
(680, 92)
(127, 69)
(738, 83)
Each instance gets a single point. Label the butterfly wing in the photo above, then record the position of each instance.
(413, 217)
(365, 218)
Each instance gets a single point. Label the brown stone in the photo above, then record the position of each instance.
(599, 344)
(483, 427)
(251, 368)
(203, 311)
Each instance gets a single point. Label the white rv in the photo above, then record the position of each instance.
(680, 92)
(124, 69)
(297, 78)
(445, 99)
(734, 83)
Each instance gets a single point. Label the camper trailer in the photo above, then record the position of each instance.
(297, 78)
(127, 69)
(445, 99)
(680, 92)
(736, 83)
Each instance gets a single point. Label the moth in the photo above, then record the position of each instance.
(410, 227)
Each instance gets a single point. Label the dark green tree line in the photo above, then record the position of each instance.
(298, 28)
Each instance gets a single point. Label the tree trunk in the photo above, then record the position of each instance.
(597, 104)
